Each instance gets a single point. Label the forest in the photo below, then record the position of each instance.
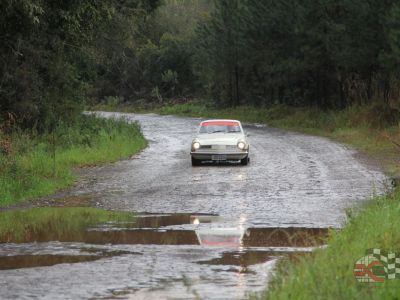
(59, 56)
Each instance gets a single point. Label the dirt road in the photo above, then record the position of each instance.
(208, 231)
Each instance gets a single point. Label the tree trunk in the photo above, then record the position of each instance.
(237, 100)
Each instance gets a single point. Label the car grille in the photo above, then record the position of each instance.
(219, 147)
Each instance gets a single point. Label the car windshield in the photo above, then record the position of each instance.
(225, 128)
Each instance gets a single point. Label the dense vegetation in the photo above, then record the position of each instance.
(54, 56)
(54, 53)
(58, 56)
(326, 53)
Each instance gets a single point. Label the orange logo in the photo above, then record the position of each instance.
(369, 269)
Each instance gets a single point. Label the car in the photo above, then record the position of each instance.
(220, 140)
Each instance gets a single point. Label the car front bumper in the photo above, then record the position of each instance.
(217, 155)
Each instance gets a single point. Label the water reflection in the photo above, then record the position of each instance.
(215, 254)
(218, 236)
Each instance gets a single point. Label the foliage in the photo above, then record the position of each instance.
(50, 54)
(331, 54)
(153, 60)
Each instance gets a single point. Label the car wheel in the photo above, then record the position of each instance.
(195, 162)
(245, 161)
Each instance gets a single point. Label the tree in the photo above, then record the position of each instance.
(220, 51)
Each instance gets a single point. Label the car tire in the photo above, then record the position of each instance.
(245, 161)
(195, 162)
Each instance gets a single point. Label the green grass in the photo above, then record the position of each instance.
(27, 168)
(306, 119)
(52, 223)
(328, 273)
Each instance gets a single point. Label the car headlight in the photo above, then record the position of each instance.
(241, 145)
(196, 145)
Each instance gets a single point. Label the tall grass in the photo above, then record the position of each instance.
(33, 165)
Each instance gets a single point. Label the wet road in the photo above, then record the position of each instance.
(223, 247)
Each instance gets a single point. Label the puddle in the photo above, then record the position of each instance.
(242, 258)
(209, 250)
(46, 260)
(150, 230)
(188, 229)
(138, 236)
(160, 220)
(285, 237)
(33, 261)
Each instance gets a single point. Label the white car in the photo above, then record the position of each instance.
(220, 140)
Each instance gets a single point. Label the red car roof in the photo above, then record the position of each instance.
(225, 123)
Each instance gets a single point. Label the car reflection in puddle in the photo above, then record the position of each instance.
(218, 237)
(228, 254)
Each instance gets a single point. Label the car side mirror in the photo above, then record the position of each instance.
(247, 134)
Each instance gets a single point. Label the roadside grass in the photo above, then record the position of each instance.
(352, 125)
(328, 273)
(363, 127)
(52, 223)
(34, 165)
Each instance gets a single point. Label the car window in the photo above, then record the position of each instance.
(220, 128)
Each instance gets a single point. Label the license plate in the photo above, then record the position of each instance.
(218, 157)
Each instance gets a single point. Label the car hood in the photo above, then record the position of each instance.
(220, 138)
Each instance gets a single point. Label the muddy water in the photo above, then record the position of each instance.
(174, 256)
(218, 229)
